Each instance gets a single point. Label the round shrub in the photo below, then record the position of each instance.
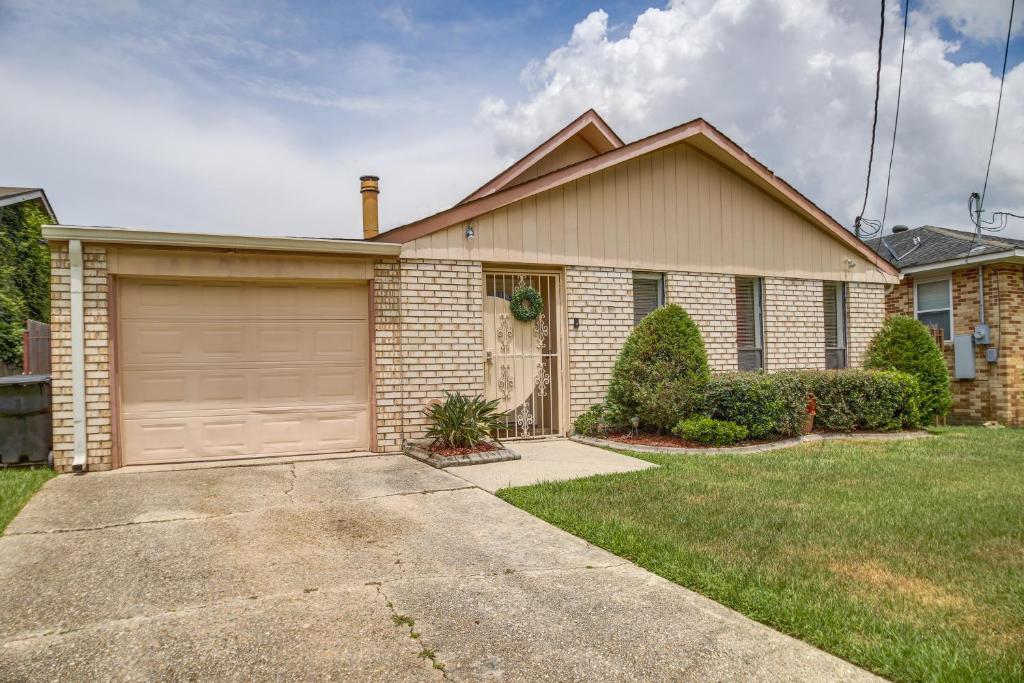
(594, 421)
(661, 371)
(706, 430)
(904, 344)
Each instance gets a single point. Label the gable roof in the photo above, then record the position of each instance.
(699, 134)
(930, 245)
(588, 128)
(17, 195)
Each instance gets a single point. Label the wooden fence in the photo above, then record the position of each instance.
(36, 349)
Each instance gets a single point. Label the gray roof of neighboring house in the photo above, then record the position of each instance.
(937, 245)
(16, 195)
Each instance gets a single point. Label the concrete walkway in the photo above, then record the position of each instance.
(548, 460)
(375, 568)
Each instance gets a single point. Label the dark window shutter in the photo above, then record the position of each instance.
(749, 351)
(835, 313)
(646, 297)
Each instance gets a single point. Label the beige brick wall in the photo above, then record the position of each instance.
(997, 390)
(602, 300)
(97, 362)
(442, 334)
(710, 300)
(865, 315)
(387, 333)
(794, 324)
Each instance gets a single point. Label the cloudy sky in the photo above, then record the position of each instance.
(258, 116)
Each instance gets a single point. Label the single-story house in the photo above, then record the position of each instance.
(174, 347)
(970, 289)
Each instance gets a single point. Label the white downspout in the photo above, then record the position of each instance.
(78, 464)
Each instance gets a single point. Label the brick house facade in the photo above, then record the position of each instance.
(996, 393)
(408, 313)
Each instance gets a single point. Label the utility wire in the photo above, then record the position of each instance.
(976, 202)
(896, 122)
(999, 104)
(874, 121)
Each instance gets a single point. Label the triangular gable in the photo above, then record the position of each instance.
(697, 133)
(585, 138)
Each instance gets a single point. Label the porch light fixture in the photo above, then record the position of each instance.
(470, 231)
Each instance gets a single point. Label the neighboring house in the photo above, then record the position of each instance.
(185, 346)
(16, 195)
(962, 284)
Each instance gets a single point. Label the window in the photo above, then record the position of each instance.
(834, 301)
(749, 323)
(933, 305)
(648, 294)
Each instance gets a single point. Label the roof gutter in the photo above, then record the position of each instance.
(965, 261)
(202, 240)
(78, 426)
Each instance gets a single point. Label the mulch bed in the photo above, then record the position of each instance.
(671, 441)
(455, 452)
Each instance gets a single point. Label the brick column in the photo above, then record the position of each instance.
(602, 299)
(865, 315)
(710, 299)
(794, 325)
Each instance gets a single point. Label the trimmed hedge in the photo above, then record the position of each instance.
(775, 405)
(767, 405)
(706, 430)
(904, 344)
(865, 399)
(661, 371)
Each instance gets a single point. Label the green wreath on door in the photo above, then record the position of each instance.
(526, 304)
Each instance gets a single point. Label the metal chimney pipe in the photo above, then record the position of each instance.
(369, 188)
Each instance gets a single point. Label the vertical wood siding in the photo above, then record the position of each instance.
(673, 209)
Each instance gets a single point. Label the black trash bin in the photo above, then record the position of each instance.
(26, 434)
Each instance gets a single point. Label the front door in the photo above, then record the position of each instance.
(522, 367)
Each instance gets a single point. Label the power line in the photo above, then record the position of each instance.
(874, 122)
(896, 122)
(976, 202)
(999, 104)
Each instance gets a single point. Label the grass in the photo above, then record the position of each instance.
(17, 485)
(904, 557)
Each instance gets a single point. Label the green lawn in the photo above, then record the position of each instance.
(17, 485)
(905, 557)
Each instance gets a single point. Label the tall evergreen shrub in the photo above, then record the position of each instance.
(661, 371)
(904, 344)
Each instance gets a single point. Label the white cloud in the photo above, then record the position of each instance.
(793, 82)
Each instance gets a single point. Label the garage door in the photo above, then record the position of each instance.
(228, 369)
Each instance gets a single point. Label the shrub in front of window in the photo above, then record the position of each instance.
(661, 371)
(594, 421)
(872, 400)
(709, 431)
(905, 345)
(463, 422)
(767, 405)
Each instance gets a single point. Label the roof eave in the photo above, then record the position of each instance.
(1013, 255)
(108, 235)
(38, 195)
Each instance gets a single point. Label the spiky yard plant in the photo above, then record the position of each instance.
(463, 422)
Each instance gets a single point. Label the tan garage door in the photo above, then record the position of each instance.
(222, 369)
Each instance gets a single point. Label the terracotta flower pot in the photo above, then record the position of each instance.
(812, 410)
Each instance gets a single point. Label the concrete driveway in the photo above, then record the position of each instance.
(372, 568)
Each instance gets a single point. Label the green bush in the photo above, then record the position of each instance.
(707, 430)
(594, 421)
(661, 371)
(904, 344)
(865, 399)
(767, 405)
(463, 422)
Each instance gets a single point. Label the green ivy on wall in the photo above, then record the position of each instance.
(24, 276)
